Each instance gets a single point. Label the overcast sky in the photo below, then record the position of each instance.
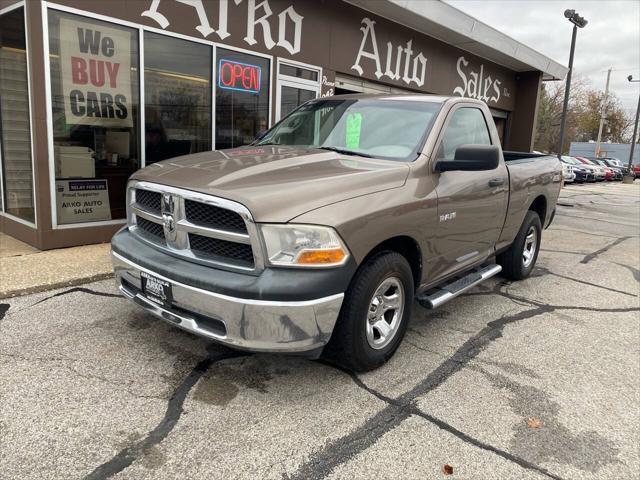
(611, 39)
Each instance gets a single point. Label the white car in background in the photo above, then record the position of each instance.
(567, 173)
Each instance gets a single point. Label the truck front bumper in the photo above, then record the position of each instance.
(256, 325)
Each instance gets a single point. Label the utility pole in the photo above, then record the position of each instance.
(603, 113)
(630, 177)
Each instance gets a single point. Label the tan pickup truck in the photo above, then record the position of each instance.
(317, 238)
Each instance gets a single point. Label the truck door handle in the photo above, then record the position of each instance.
(496, 182)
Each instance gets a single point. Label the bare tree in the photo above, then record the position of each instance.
(583, 116)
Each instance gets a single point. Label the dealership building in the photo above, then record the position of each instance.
(93, 90)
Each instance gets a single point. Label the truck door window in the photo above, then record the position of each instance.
(466, 127)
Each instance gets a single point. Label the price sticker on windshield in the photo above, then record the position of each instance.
(354, 124)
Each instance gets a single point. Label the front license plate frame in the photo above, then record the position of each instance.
(156, 289)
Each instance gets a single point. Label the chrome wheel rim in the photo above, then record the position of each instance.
(385, 313)
(530, 244)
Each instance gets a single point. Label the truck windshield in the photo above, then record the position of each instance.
(388, 129)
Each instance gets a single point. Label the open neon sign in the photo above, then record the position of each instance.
(241, 77)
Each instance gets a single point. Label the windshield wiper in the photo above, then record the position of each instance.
(346, 152)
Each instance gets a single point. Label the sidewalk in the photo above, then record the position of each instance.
(24, 269)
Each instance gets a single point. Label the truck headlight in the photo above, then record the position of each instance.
(303, 246)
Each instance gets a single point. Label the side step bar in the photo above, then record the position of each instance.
(435, 298)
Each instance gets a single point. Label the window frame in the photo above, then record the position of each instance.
(447, 121)
(45, 8)
(283, 80)
(143, 144)
(3, 212)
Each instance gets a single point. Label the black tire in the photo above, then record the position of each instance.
(512, 260)
(349, 346)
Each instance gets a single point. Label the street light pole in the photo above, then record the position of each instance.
(603, 112)
(580, 22)
(631, 176)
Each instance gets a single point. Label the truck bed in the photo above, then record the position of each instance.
(511, 156)
(531, 175)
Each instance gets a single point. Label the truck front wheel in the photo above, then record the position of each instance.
(374, 314)
(518, 261)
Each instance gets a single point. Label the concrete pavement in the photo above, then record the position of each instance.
(531, 379)
(25, 269)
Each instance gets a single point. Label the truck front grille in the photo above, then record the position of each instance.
(150, 201)
(197, 227)
(205, 246)
(214, 217)
(152, 230)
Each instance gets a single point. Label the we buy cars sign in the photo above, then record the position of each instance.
(95, 63)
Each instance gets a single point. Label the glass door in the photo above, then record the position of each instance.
(296, 85)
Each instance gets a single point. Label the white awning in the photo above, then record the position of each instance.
(448, 24)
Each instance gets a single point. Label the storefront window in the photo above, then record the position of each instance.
(242, 98)
(15, 132)
(94, 92)
(177, 90)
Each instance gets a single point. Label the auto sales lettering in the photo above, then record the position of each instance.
(95, 64)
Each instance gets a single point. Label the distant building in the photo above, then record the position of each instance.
(614, 150)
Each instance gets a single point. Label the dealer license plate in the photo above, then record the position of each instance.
(156, 289)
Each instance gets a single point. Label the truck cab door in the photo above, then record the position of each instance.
(472, 205)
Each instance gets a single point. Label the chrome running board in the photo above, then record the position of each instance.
(440, 295)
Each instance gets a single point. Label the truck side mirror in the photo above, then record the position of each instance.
(470, 158)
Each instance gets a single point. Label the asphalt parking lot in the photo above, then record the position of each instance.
(532, 379)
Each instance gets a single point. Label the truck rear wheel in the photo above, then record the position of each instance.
(374, 315)
(518, 261)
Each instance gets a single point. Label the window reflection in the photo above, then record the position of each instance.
(15, 135)
(177, 87)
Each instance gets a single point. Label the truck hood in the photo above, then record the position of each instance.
(277, 183)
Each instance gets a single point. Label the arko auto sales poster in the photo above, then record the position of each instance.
(82, 201)
(96, 74)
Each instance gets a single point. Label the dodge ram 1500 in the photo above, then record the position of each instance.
(316, 238)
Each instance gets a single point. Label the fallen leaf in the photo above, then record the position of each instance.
(447, 469)
(534, 423)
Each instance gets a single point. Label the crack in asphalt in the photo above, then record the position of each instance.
(634, 271)
(584, 282)
(556, 229)
(88, 376)
(4, 308)
(65, 292)
(596, 219)
(587, 258)
(337, 452)
(78, 289)
(125, 457)
(408, 409)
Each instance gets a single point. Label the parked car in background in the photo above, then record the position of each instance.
(616, 163)
(611, 173)
(583, 174)
(636, 170)
(597, 170)
(568, 174)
